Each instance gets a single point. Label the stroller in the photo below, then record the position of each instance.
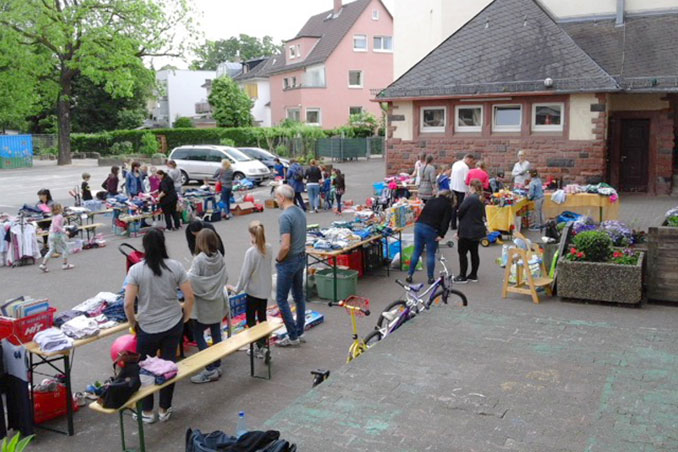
(131, 257)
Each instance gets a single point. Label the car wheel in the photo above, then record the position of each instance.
(238, 177)
(184, 178)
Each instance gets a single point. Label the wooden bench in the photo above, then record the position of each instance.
(89, 229)
(192, 365)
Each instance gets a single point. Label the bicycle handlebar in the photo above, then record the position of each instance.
(401, 284)
(341, 303)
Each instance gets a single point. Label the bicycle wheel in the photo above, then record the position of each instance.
(461, 295)
(372, 338)
(391, 315)
(437, 299)
(355, 350)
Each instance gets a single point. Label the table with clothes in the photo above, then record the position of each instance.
(96, 318)
(600, 202)
(505, 217)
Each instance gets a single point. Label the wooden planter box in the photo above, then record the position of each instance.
(599, 281)
(662, 265)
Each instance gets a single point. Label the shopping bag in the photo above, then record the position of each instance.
(408, 252)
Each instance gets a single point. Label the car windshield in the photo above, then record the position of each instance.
(237, 155)
(258, 153)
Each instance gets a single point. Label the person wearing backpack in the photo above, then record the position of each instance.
(112, 182)
(208, 277)
(295, 178)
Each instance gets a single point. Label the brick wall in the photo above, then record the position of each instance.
(664, 163)
(575, 161)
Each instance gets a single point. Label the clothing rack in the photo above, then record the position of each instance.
(23, 260)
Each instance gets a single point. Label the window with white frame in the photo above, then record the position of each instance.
(375, 14)
(294, 114)
(433, 119)
(383, 44)
(360, 43)
(547, 117)
(355, 110)
(313, 116)
(294, 82)
(507, 118)
(469, 118)
(286, 83)
(293, 52)
(355, 79)
(315, 76)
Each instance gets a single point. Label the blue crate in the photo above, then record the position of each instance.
(238, 304)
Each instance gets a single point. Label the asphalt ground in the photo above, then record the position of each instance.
(444, 342)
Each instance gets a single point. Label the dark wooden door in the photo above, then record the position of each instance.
(634, 153)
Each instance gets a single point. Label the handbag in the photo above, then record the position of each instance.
(217, 187)
(122, 387)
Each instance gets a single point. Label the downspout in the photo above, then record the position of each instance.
(620, 13)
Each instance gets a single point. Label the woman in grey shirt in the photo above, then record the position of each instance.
(225, 176)
(175, 174)
(427, 182)
(159, 320)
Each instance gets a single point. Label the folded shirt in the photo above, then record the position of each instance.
(53, 340)
(80, 327)
(162, 369)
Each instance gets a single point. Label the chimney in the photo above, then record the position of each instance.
(337, 6)
(620, 13)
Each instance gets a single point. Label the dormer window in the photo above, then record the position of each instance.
(293, 52)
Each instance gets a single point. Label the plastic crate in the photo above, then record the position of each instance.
(19, 331)
(51, 405)
(353, 260)
(238, 304)
(347, 283)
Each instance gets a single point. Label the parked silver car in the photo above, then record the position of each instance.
(198, 162)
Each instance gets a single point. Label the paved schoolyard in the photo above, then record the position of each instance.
(554, 376)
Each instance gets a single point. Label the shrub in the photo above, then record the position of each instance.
(227, 142)
(672, 221)
(282, 150)
(596, 245)
(121, 147)
(149, 144)
(183, 123)
(625, 257)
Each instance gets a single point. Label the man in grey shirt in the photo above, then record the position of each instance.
(290, 264)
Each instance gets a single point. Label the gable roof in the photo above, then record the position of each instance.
(642, 55)
(510, 46)
(330, 33)
(257, 71)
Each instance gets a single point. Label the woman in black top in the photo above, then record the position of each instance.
(430, 228)
(168, 201)
(313, 176)
(192, 230)
(471, 216)
(339, 187)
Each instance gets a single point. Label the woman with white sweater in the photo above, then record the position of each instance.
(256, 279)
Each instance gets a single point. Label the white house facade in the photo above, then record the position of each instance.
(182, 92)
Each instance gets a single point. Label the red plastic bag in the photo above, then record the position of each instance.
(217, 187)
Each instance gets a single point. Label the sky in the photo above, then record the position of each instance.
(281, 19)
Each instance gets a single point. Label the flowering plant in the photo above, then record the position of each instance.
(575, 255)
(625, 257)
(620, 234)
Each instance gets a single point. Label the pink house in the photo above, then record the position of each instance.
(334, 66)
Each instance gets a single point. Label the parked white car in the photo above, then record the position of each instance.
(201, 161)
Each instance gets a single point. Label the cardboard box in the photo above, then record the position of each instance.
(271, 204)
(243, 208)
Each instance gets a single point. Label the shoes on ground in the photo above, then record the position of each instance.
(206, 376)
(431, 281)
(460, 280)
(287, 342)
(408, 279)
(146, 418)
(472, 278)
(164, 417)
(302, 338)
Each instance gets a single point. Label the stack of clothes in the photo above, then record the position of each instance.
(53, 340)
(159, 369)
(80, 327)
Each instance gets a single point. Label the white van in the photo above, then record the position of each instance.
(201, 161)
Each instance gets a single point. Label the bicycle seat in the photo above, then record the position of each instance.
(416, 287)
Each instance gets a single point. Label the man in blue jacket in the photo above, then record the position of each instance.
(295, 178)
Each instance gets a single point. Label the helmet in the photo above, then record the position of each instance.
(126, 343)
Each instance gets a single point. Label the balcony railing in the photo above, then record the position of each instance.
(202, 108)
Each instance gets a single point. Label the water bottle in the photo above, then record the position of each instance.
(241, 427)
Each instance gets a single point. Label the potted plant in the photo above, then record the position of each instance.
(592, 269)
(662, 249)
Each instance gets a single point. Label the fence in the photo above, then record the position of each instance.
(16, 151)
(349, 148)
(43, 142)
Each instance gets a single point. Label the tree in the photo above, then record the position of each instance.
(244, 47)
(183, 123)
(230, 105)
(103, 40)
(93, 109)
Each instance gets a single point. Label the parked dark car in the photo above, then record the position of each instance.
(264, 156)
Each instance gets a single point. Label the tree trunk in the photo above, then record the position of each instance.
(64, 117)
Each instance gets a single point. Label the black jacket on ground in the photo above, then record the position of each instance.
(471, 216)
(437, 214)
(193, 227)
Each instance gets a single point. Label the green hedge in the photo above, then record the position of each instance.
(242, 136)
